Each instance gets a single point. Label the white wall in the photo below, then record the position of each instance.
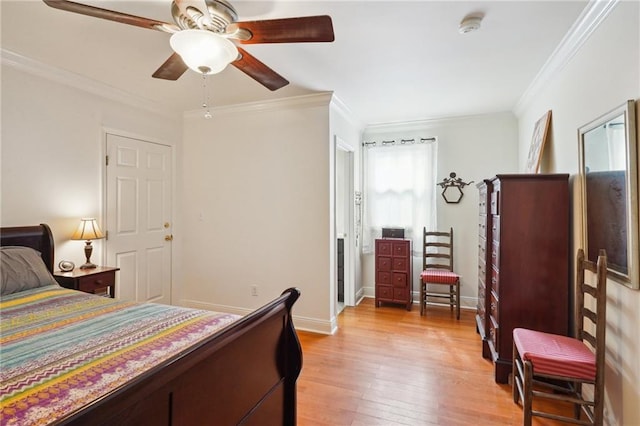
(256, 201)
(602, 75)
(53, 150)
(476, 148)
(260, 178)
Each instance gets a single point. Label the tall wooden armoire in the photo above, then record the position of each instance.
(524, 261)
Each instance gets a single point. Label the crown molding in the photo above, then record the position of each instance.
(341, 108)
(77, 81)
(586, 24)
(294, 102)
(95, 87)
(427, 124)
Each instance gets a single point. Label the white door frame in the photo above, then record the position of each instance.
(349, 238)
(116, 132)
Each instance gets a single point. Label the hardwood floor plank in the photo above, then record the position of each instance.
(387, 366)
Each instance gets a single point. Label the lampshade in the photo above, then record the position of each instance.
(204, 51)
(88, 230)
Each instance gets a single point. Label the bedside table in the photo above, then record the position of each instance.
(100, 280)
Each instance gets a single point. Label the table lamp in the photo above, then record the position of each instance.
(88, 230)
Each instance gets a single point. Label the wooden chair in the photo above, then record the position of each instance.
(437, 268)
(556, 367)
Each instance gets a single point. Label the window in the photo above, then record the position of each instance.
(400, 190)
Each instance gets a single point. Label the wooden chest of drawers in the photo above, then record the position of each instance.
(523, 267)
(394, 283)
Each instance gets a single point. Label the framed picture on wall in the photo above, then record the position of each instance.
(540, 136)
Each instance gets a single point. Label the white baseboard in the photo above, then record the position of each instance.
(313, 325)
(465, 302)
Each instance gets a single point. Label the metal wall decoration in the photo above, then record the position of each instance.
(452, 188)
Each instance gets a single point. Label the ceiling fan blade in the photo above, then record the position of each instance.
(287, 30)
(261, 73)
(111, 15)
(172, 68)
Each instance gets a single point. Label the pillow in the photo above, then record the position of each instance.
(22, 268)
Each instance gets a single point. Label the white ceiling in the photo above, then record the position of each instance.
(391, 60)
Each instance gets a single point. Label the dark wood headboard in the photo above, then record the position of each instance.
(38, 237)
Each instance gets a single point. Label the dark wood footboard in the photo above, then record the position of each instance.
(245, 374)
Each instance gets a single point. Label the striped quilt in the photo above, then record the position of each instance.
(61, 349)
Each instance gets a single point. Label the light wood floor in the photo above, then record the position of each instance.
(388, 366)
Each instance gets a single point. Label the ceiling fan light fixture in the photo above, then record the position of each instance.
(204, 51)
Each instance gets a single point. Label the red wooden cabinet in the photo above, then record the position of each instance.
(394, 282)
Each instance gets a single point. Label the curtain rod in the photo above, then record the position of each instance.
(393, 142)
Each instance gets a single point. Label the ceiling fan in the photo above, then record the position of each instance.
(206, 35)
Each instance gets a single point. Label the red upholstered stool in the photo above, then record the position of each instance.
(438, 276)
(555, 355)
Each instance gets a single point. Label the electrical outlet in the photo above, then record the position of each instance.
(254, 290)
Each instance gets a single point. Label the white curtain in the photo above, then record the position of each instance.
(400, 191)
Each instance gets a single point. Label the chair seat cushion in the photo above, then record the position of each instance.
(439, 276)
(555, 355)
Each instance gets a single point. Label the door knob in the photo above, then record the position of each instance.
(168, 237)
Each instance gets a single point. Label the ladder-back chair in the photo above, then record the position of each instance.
(556, 367)
(437, 268)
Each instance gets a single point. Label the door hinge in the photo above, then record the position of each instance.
(106, 160)
(106, 235)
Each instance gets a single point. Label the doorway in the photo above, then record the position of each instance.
(138, 215)
(344, 224)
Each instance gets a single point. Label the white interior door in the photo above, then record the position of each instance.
(139, 222)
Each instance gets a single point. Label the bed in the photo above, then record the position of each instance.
(72, 358)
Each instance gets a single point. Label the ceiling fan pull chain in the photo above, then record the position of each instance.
(205, 97)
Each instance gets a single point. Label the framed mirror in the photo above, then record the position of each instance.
(609, 176)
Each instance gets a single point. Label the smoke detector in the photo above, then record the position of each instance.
(470, 23)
